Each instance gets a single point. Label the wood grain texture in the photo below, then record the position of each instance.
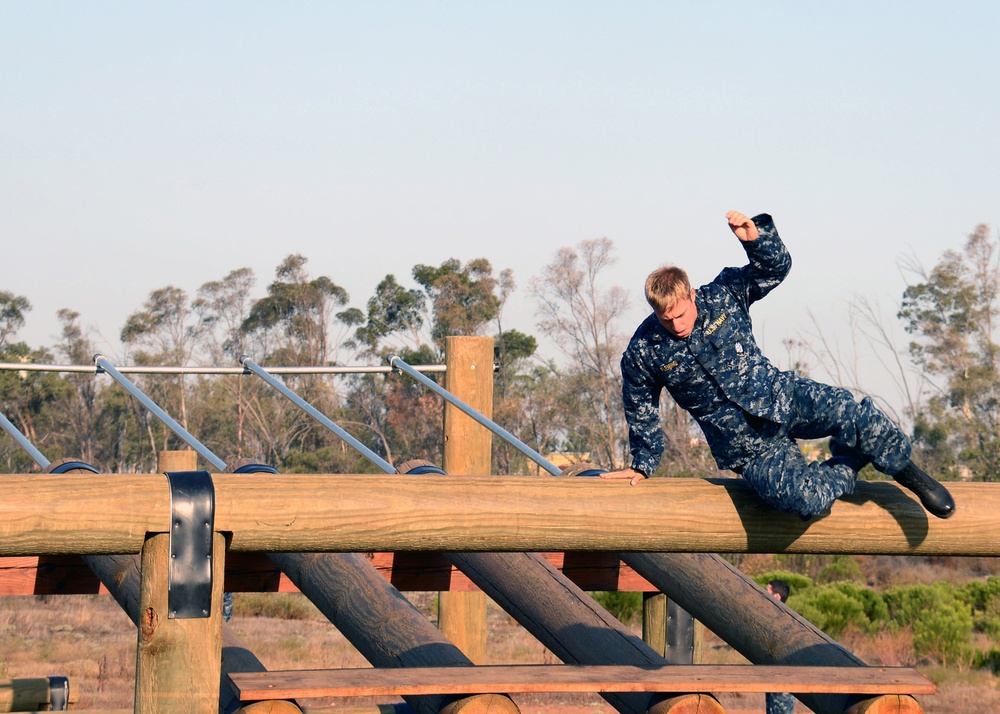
(46, 514)
(468, 449)
(688, 704)
(577, 678)
(887, 704)
(178, 661)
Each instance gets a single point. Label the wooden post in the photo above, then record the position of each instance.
(654, 622)
(468, 449)
(186, 460)
(178, 661)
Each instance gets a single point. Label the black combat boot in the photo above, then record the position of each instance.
(932, 494)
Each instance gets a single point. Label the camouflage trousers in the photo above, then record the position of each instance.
(780, 704)
(859, 432)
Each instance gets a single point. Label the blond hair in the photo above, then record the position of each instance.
(667, 286)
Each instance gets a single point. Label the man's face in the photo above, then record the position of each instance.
(679, 319)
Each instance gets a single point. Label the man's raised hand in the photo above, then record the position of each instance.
(742, 226)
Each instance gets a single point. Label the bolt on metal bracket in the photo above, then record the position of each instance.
(192, 530)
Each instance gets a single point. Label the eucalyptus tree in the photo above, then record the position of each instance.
(24, 395)
(581, 315)
(952, 313)
(12, 310)
(302, 320)
(451, 299)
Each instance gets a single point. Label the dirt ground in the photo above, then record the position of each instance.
(88, 637)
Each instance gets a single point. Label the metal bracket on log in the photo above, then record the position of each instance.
(58, 694)
(192, 527)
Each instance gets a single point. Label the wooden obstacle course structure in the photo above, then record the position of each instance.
(343, 514)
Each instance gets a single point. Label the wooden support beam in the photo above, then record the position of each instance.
(32, 693)
(385, 628)
(756, 625)
(255, 572)
(178, 661)
(468, 449)
(578, 678)
(47, 514)
(562, 617)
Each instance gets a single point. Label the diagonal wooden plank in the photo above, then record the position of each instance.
(578, 678)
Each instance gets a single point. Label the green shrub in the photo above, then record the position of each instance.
(988, 660)
(984, 599)
(834, 608)
(624, 606)
(943, 633)
(941, 620)
(907, 603)
(979, 593)
(841, 568)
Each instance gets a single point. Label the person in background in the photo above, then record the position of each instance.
(783, 703)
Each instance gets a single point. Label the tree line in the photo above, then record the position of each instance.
(569, 405)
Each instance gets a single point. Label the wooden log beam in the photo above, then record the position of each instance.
(382, 624)
(758, 626)
(315, 683)
(255, 572)
(563, 618)
(46, 514)
(32, 693)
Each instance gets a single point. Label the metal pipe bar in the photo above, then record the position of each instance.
(102, 362)
(23, 442)
(398, 363)
(312, 411)
(88, 369)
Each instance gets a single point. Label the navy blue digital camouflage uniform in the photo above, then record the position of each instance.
(783, 703)
(750, 411)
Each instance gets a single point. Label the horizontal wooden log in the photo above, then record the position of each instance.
(46, 514)
(305, 684)
(31, 693)
(255, 572)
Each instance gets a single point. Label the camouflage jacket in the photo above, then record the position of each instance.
(717, 373)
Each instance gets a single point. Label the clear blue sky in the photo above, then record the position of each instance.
(144, 145)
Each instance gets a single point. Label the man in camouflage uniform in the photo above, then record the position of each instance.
(699, 344)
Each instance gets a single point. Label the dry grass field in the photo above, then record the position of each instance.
(88, 637)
